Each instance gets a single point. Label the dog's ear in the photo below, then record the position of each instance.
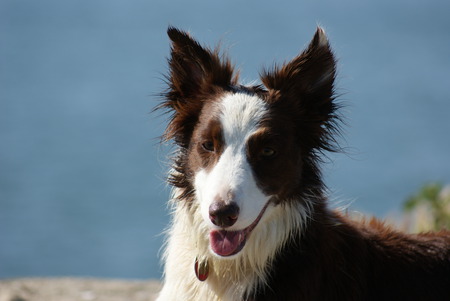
(309, 77)
(305, 87)
(196, 74)
(194, 69)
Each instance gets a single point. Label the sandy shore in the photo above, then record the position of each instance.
(77, 289)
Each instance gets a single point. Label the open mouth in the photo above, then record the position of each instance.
(227, 243)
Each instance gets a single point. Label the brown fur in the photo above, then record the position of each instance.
(340, 259)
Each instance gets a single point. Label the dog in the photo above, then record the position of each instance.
(250, 214)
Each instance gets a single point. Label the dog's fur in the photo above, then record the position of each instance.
(249, 201)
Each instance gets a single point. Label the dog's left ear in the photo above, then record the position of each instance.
(307, 79)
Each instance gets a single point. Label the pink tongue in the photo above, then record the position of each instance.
(225, 243)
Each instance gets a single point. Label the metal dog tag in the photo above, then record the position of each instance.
(201, 269)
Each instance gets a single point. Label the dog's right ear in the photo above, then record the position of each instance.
(196, 74)
(194, 69)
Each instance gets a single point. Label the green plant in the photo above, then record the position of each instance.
(432, 202)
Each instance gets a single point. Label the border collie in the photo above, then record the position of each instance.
(250, 215)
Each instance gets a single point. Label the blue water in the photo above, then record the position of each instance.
(81, 170)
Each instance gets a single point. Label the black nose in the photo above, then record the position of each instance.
(222, 214)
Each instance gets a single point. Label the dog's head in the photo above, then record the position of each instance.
(243, 150)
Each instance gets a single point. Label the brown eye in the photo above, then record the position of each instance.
(268, 152)
(208, 146)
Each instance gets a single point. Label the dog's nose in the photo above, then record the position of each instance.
(222, 214)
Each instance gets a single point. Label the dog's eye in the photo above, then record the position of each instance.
(268, 152)
(208, 146)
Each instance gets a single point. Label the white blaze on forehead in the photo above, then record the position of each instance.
(241, 114)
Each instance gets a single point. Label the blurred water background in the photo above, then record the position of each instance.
(81, 170)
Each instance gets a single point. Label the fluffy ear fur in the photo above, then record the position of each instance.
(196, 74)
(305, 84)
(312, 71)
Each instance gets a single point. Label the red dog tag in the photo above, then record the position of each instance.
(201, 269)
